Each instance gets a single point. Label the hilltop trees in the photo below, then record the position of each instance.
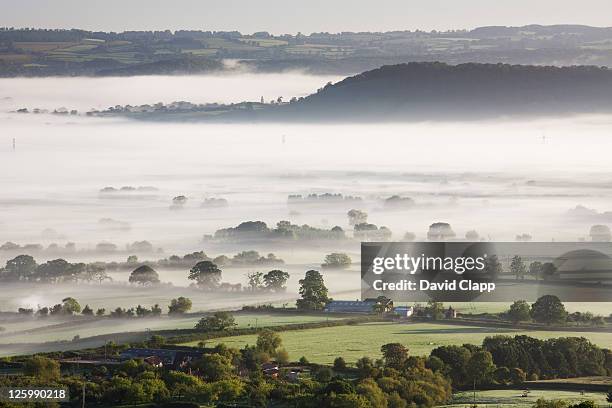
(144, 275)
(206, 274)
(313, 292)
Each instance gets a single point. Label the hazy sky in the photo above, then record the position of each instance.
(290, 16)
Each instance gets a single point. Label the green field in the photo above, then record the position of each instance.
(37, 331)
(514, 398)
(352, 342)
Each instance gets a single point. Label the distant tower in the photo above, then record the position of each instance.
(262, 100)
(13, 144)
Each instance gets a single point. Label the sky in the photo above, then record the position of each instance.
(306, 16)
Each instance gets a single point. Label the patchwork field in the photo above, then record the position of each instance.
(352, 342)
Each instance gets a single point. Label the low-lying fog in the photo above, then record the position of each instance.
(500, 178)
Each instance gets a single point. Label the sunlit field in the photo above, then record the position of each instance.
(514, 398)
(352, 342)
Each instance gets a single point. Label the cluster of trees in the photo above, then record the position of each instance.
(549, 309)
(68, 307)
(272, 281)
(23, 268)
(538, 270)
(513, 360)
(284, 230)
(337, 260)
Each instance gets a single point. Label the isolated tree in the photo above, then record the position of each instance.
(179, 306)
(206, 274)
(216, 322)
(275, 280)
(519, 311)
(395, 355)
(100, 311)
(268, 341)
(337, 260)
(517, 267)
(313, 292)
(70, 306)
(548, 309)
(144, 275)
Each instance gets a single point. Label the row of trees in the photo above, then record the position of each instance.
(70, 306)
(23, 268)
(549, 309)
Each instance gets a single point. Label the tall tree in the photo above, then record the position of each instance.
(519, 311)
(313, 292)
(144, 275)
(275, 280)
(206, 274)
(517, 267)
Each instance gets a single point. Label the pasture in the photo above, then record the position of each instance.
(352, 342)
(514, 398)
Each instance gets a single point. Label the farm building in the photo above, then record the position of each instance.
(359, 306)
(403, 311)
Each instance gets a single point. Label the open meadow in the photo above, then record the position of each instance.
(514, 398)
(352, 342)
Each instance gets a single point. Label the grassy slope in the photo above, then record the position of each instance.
(352, 342)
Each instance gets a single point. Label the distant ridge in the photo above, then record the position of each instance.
(432, 89)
